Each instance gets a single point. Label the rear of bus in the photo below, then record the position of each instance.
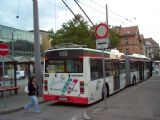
(64, 78)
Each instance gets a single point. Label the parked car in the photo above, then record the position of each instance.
(20, 74)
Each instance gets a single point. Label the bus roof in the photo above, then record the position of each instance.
(113, 54)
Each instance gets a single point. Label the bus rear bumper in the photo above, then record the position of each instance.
(69, 99)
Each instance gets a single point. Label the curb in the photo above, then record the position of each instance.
(8, 111)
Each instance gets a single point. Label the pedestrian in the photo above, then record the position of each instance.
(32, 88)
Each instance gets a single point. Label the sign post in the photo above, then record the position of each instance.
(4, 51)
(102, 43)
(101, 33)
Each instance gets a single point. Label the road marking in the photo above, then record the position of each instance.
(96, 110)
(86, 116)
(74, 118)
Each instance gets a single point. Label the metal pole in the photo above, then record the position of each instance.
(107, 25)
(12, 45)
(104, 86)
(106, 14)
(127, 66)
(103, 63)
(38, 70)
(4, 92)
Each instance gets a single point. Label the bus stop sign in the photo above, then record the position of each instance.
(4, 49)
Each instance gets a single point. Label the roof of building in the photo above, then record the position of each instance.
(44, 31)
(14, 29)
(141, 37)
(152, 42)
(123, 31)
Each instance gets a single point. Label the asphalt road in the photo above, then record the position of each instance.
(49, 111)
(64, 111)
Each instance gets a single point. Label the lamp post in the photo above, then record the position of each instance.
(12, 44)
(38, 70)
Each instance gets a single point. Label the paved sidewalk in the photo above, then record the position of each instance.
(15, 102)
(141, 102)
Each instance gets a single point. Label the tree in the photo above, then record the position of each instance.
(73, 32)
(79, 33)
(114, 38)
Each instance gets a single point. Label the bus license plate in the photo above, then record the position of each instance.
(63, 98)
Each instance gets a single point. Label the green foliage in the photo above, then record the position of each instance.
(114, 38)
(79, 33)
(73, 32)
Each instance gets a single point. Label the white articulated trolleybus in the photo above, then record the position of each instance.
(75, 75)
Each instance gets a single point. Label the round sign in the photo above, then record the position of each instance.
(4, 49)
(101, 31)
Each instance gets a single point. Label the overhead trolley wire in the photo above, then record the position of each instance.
(110, 10)
(99, 11)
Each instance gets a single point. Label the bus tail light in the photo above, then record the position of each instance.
(45, 85)
(81, 87)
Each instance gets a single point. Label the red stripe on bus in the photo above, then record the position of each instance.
(69, 99)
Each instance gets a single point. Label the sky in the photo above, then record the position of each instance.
(53, 13)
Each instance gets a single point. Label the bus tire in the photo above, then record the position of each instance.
(107, 91)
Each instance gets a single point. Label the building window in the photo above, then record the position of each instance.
(126, 40)
(127, 51)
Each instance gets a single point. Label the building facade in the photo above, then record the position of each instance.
(130, 40)
(21, 43)
(46, 42)
(151, 48)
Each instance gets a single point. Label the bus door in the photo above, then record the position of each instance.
(141, 70)
(116, 74)
(96, 77)
(150, 68)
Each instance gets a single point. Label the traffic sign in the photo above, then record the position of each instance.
(101, 31)
(102, 44)
(4, 49)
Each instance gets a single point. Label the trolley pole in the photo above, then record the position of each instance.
(38, 70)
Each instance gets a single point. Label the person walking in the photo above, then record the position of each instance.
(32, 88)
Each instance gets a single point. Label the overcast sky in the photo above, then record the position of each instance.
(52, 13)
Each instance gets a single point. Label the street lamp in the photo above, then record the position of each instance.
(12, 44)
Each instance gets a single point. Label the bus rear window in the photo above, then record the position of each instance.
(64, 66)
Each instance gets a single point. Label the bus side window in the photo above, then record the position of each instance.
(108, 68)
(96, 69)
